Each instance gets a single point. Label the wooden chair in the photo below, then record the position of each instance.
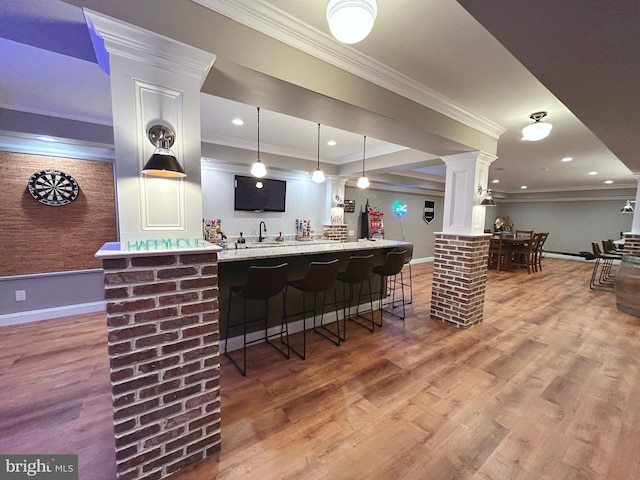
(537, 256)
(496, 253)
(524, 234)
(523, 253)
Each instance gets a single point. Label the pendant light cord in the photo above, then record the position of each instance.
(364, 153)
(258, 133)
(318, 146)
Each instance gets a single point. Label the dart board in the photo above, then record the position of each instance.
(53, 187)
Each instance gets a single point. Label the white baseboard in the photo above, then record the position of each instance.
(415, 261)
(49, 313)
(564, 257)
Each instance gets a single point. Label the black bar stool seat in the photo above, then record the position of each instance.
(358, 272)
(320, 277)
(388, 271)
(263, 283)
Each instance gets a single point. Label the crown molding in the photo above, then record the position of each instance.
(277, 24)
(123, 39)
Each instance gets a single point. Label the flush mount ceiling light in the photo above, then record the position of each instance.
(350, 21)
(488, 200)
(258, 169)
(537, 130)
(163, 163)
(363, 181)
(627, 207)
(318, 175)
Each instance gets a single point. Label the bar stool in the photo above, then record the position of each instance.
(407, 261)
(358, 272)
(388, 271)
(263, 283)
(320, 277)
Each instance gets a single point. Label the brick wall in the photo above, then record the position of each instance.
(163, 333)
(335, 232)
(459, 279)
(632, 244)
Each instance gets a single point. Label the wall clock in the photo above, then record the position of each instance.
(53, 187)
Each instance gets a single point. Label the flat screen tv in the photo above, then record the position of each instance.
(259, 194)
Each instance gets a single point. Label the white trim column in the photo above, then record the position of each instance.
(635, 224)
(154, 80)
(463, 214)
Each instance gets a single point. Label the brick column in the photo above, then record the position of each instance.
(163, 333)
(335, 232)
(459, 278)
(632, 244)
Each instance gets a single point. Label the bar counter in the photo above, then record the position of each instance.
(234, 264)
(271, 249)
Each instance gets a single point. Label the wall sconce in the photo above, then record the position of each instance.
(163, 163)
(487, 201)
(627, 207)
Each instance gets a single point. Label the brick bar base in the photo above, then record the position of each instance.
(632, 244)
(459, 279)
(163, 333)
(335, 232)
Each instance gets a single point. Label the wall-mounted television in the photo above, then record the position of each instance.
(259, 194)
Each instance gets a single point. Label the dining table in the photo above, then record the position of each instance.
(503, 247)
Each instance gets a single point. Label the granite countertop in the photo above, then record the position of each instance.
(286, 249)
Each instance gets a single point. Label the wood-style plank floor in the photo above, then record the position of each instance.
(548, 387)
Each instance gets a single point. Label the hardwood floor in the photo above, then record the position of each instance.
(546, 388)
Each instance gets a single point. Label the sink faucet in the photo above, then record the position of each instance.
(260, 237)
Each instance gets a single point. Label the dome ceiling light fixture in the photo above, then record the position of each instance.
(350, 21)
(537, 130)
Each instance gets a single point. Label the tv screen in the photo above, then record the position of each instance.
(259, 194)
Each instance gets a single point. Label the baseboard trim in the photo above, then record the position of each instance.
(50, 313)
(564, 257)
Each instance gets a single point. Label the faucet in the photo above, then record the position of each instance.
(260, 237)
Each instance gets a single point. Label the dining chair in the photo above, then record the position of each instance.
(523, 233)
(496, 253)
(537, 255)
(522, 252)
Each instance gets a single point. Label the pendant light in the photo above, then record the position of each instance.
(318, 175)
(363, 181)
(350, 21)
(537, 130)
(258, 169)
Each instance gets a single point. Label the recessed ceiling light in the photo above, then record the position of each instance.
(495, 180)
(523, 187)
(608, 182)
(566, 159)
(592, 173)
(237, 121)
(331, 143)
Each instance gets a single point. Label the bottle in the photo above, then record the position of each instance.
(280, 238)
(241, 239)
